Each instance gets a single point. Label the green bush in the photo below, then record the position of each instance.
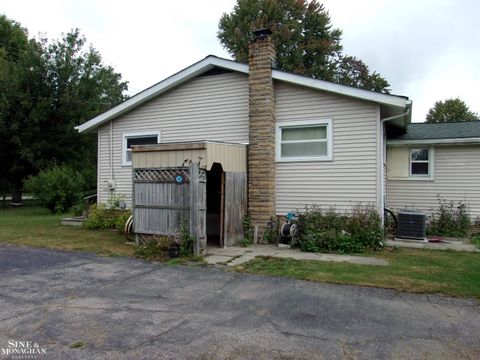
(155, 249)
(187, 241)
(476, 241)
(57, 188)
(122, 220)
(270, 235)
(449, 219)
(329, 230)
(101, 216)
(365, 225)
(79, 209)
(247, 231)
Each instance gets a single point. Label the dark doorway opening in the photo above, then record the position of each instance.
(215, 203)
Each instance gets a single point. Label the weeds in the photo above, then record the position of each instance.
(449, 219)
(247, 231)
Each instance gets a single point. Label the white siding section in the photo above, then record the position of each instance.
(205, 108)
(456, 177)
(351, 177)
(103, 165)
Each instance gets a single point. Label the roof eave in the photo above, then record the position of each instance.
(452, 141)
(350, 91)
(395, 102)
(184, 75)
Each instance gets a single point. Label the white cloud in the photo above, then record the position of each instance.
(427, 50)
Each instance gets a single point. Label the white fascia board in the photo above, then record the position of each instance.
(328, 86)
(458, 141)
(196, 69)
(212, 61)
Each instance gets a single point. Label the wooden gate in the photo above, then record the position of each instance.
(164, 197)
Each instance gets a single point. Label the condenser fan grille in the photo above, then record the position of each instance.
(411, 225)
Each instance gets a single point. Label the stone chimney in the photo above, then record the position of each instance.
(261, 149)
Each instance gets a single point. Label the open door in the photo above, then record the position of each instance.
(215, 205)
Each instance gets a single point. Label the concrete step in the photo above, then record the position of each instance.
(73, 221)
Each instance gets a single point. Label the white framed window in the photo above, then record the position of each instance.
(421, 160)
(137, 138)
(309, 140)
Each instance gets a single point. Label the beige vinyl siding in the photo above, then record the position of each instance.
(232, 157)
(351, 177)
(205, 108)
(456, 176)
(103, 164)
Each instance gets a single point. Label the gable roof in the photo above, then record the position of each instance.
(391, 104)
(448, 132)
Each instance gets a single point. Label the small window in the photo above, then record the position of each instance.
(144, 138)
(304, 141)
(420, 162)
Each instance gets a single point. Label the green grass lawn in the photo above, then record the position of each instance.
(33, 226)
(421, 271)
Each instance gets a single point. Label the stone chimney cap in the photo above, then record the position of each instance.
(261, 33)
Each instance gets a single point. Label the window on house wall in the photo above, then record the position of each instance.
(140, 138)
(304, 140)
(420, 162)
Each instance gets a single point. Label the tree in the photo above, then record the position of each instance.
(46, 89)
(305, 41)
(81, 87)
(450, 110)
(21, 89)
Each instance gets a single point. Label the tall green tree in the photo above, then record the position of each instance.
(450, 110)
(46, 89)
(81, 86)
(305, 41)
(22, 97)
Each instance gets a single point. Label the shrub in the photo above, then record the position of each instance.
(155, 248)
(165, 246)
(365, 225)
(57, 188)
(247, 231)
(329, 230)
(476, 241)
(186, 240)
(101, 216)
(270, 235)
(449, 219)
(79, 209)
(122, 220)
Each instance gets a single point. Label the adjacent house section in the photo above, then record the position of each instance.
(432, 161)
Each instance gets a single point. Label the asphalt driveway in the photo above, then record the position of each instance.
(80, 306)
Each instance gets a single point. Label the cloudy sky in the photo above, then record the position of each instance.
(428, 50)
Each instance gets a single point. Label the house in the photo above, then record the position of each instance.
(309, 141)
(432, 160)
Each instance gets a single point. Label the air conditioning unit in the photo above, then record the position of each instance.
(411, 225)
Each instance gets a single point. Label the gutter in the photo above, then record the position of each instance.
(457, 141)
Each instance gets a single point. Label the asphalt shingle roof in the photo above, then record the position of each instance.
(435, 131)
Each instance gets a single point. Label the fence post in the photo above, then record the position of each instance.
(194, 207)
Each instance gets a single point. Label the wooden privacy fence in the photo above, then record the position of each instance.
(164, 197)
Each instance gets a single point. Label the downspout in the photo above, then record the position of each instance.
(111, 181)
(382, 159)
